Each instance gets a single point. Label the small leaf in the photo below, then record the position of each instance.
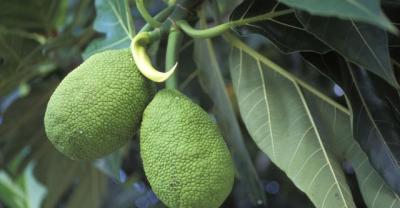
(278, 118)
(359, 43)
(366, 10)
(114, 19)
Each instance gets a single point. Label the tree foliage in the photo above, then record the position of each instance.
(306, 94)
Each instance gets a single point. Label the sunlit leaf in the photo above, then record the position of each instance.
(278, 118)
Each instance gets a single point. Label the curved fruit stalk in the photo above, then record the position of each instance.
(142, 60)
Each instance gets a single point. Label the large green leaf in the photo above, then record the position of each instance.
(278, 118)
(208, 63)
(114, 19)
(360, 10)
(359, 43)
(337, 128)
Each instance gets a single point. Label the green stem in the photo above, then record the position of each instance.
(174, 42)
(143, 38)
(143, 61)
(219, 29)
(180, 11)
(203, 33)
(262, 17)
(146, 16)
(239, 44)
(162, 16)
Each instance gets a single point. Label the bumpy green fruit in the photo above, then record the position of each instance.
(97, 108)
(184, 156)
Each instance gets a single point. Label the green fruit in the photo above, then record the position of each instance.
(184, 156)
(97, 108)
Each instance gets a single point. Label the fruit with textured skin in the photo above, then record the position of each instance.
(184, 156)
(98, 107)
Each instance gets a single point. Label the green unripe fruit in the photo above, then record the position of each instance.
(184, 156)
(97, 108)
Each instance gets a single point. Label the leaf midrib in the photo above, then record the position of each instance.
(327, 159)
(267, 106)
(304, 102)
(119, 18)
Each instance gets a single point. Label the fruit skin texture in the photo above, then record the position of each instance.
(97, 108)
(184, 156)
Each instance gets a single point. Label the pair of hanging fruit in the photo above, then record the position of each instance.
(101, 104)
